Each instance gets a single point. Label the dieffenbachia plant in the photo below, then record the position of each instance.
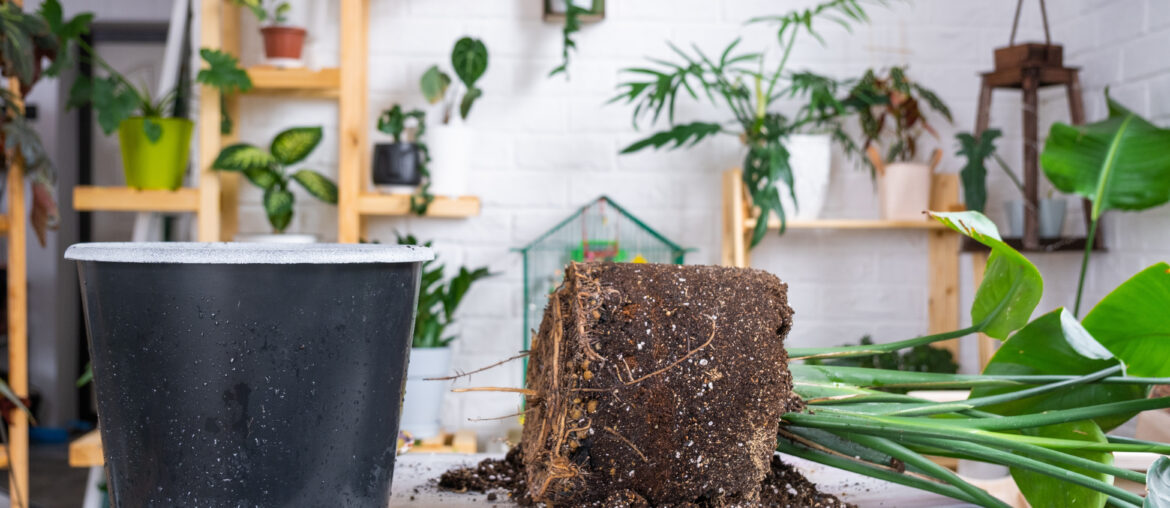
(1119, 163)
(469, 59)
(1041, 407)
(738, 83)
(268, 169)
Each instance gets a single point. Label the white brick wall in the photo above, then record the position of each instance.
(545, 146)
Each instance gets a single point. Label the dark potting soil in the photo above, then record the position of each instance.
(504, 479)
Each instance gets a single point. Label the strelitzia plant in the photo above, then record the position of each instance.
(1041, 407)
(268, 170)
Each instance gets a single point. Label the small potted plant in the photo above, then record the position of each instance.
(155, 143)
(268, 170)
(430, 352)
(401, 163)
(1051, 211)
(448, 137)
(282, 42)
(898, 114)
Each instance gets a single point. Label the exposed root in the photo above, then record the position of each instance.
(505, 417)
(710, 339)
(477, 371)
(628, 443)
(525, 391)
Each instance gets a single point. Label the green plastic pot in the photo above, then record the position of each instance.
(160, 164)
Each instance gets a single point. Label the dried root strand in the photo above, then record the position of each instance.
(674, 364)
(477, 371)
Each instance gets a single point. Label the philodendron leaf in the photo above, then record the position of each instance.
(223, 72)
(1043, 491)
(293, 145)
(468, 99)
(1011, 285)
(1158, 484)
(152, 129)
(434, 84)
(243, 157)
(278, 204)
(1056, 344)
(1132, 323)
(317, 185)
(1120, 162)
(469, 58)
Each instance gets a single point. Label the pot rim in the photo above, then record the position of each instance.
(225, 253)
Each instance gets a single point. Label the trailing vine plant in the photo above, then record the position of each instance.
(573, 13)
(738, 83)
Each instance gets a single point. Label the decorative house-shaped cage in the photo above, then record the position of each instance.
(600, 231)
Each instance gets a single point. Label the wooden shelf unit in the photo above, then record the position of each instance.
(942, 243)
(399, 204)
(125, 199)
(269, 80)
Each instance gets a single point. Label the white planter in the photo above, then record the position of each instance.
(1049, 219)
(274, 238)
(810, 157)
(448, 145)
(560, 6)
(904, 191)
(424, 399)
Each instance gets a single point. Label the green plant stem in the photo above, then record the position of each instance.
(880, 378)
(1001, 457)
(949, 407)
(1089, 241)
(1042, 453)
(783, 61)
(93, 57)
(869, 470)
(1011, 174)
(1069, 415)
(872, 349)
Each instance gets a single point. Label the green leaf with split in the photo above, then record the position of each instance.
(1132, 322)
(1011, 285)
(293, 145)
(1056, 344)
(1158, 484)
(1043, 491)
(243, 157)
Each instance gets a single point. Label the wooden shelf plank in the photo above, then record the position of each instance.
(3, 223)
(125, 199)
(3, 456)
(774, 223)
(1075, 244)
(308, 82)
(86, 451)
(399, 204)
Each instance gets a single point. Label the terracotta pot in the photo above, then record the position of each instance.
(283, 42)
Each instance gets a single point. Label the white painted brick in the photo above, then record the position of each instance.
(563, 153)
(520, 189)
(1160, 94)
(1139, 58)
(1159, 13)
(1124, 21)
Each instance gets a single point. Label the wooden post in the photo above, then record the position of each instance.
(229, 182)
(733, 219)
(943, 264)
(1031, 86)
(17, 316)
(983, 114)
(352, 167)
(208, 217)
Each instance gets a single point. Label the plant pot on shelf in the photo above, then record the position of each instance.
(449, 144)
(283, 45)
(159, 164)
(424, 399)
(396, 164)
(561, 6)
(904, 191)
(1049, 219)
(809, 157)
(276, 369)
(285, 238)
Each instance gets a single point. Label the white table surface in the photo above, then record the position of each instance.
(415, 475)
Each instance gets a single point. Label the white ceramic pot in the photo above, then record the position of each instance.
(274, 238)
(904, 191)
(809, 155)
(1014, 209)
(424, 399)
(1051, 218)
(448, 145)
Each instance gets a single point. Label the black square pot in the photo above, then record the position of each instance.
(249, 374)
(396, 164)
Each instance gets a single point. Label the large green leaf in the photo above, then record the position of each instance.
(469, 58)
(278, 204)
(1056, 344)
(1158, 484)
(293, 145)
(1121, 162)
(1011, 285)
(1043, 491)
(1133, 322)
(263, 178)
(687, 134)
(434, 84)
(243, 157)
(317, 184)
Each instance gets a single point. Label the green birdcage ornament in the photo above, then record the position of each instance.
(599, 231)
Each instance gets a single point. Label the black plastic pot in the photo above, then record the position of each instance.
(396, 164)
(249, 374)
